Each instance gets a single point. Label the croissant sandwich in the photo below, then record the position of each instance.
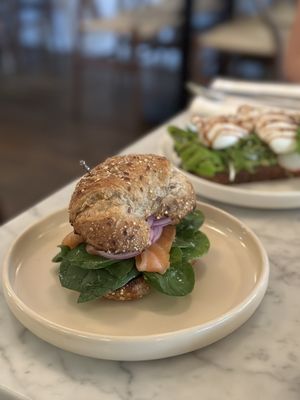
(135, 227)
(254, 144)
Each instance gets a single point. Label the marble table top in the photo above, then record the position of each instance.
(261, 360)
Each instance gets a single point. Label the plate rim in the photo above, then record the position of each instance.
(259, 287)
(166, 140)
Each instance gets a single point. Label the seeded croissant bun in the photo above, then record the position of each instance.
(110, 205)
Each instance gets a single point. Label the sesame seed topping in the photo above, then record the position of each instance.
(137, 196)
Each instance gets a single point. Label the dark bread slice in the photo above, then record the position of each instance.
(133, 290)
(261, 174)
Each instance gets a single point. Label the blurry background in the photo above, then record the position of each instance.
(83, 78)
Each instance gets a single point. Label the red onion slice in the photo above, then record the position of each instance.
(158, 222)
(156, 227)
(121, 256)
(150, 220)
(162, 221)
(155, 233)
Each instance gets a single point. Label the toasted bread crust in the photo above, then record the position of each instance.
(261, 174)
(133, 290)
(110, 205)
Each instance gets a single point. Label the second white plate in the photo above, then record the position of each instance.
(281, 194)
(231, 281)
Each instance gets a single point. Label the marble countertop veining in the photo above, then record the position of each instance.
(261, 360)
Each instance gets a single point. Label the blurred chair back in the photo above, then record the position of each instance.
(277, 18)
(6, 47)
(262, 35)
(12, 23)
(135, 23)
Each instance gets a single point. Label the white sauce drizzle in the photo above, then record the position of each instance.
(276, 127)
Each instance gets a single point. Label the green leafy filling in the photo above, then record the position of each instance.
(248, 154)
(94, 283)
(298, 140)
(190, 243)
(94, 276)
(178, 280)
(195, 157)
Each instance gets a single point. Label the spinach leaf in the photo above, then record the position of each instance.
(178, 280)
(70, 276)
(94, 283)
(107, 277)
(93, 294)
(190, 222)
(81, 258)
(64, 250)
(193, 246)
(189, 239)
(111, 280)
(298, 140)
(181, 243)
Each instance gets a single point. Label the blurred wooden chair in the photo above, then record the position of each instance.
(141, 24)
(262, 36)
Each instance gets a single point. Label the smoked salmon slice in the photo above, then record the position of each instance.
(156, 258)
(72, 240)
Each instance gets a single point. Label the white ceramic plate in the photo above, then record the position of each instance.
(281, 194)
(231, 281)
(8, 394)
